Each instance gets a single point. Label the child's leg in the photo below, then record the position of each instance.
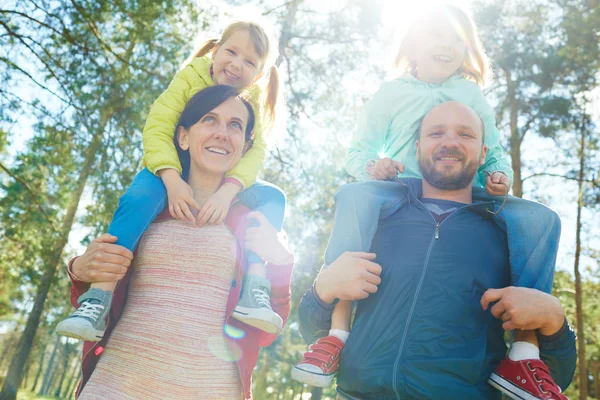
(533, 233)
(358, 209)
(525, 346)
(340, 319)
(253, 307)
(138, 207)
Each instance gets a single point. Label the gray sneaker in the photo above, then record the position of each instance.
(254, 306)
(89, 321)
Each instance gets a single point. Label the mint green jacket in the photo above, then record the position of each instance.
(389, 123)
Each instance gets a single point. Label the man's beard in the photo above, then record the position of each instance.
(444, 181)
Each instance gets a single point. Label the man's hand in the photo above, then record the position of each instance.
(103, 261)
(352, 276)
(497, 184)
(525, 309)
(387, 168)
(180, 195)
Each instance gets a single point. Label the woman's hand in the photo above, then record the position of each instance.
(265, 242)
(497, 184)
(216, 207)
(180, 196)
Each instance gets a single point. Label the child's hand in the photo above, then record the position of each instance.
(497, 184)
(265, 242)
(387, 168)
(216, 207)
(181, 197)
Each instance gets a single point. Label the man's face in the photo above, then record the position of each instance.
(450, 147)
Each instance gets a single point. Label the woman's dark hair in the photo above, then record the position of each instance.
(201, 104)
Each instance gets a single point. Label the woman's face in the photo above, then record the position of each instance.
(216, 142)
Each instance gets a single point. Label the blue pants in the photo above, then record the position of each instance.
(147, 197)
(533, 230)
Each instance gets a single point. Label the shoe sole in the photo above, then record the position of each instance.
(76, 331)
(266, 322)
(312, 378)
(509, 388)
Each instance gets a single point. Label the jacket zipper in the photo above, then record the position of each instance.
(436, 236)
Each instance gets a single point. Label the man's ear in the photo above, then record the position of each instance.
(484, 150)
(182, 138)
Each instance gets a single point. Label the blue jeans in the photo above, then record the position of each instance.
(147, 197)
(533, 230)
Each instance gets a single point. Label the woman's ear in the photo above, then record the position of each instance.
(182, 138)
(247, 146)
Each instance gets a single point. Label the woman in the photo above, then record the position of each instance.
(176, 337)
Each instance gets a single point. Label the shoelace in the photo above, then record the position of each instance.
(90, 311)
(262, 298)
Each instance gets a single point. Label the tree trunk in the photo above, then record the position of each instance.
(515, 137)
(72, 381)
(65, 367)
(583, 376)
(68, 392)
(49, 368)
(40, 368)
(596, 369)
(316, 393)
(15, 372)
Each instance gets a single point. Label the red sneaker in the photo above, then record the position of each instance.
(320, 362)
(525, 380)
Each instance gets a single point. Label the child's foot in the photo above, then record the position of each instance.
(254, 306)
(89, 321)
(320, 362)
(526, 380)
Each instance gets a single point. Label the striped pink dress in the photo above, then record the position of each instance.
(169, 342)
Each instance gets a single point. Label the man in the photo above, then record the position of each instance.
(423, 329)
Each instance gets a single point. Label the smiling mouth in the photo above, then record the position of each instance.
(230, 75)
(218, 150)
(442, 58)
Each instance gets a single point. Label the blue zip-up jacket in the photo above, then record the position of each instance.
(424, 335)
(389, 123)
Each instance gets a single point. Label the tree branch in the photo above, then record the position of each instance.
(33, 195)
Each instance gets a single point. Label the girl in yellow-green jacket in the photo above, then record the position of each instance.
(242, 58)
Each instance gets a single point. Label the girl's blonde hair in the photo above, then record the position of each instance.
(476, 65)
(263, 44)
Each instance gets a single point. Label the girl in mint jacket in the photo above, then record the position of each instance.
(443, 60)
(242, 58)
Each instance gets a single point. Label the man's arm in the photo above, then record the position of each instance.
(531, 309)
(559, 353)
(314, 315)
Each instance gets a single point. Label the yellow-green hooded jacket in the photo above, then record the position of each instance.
(159, 150)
